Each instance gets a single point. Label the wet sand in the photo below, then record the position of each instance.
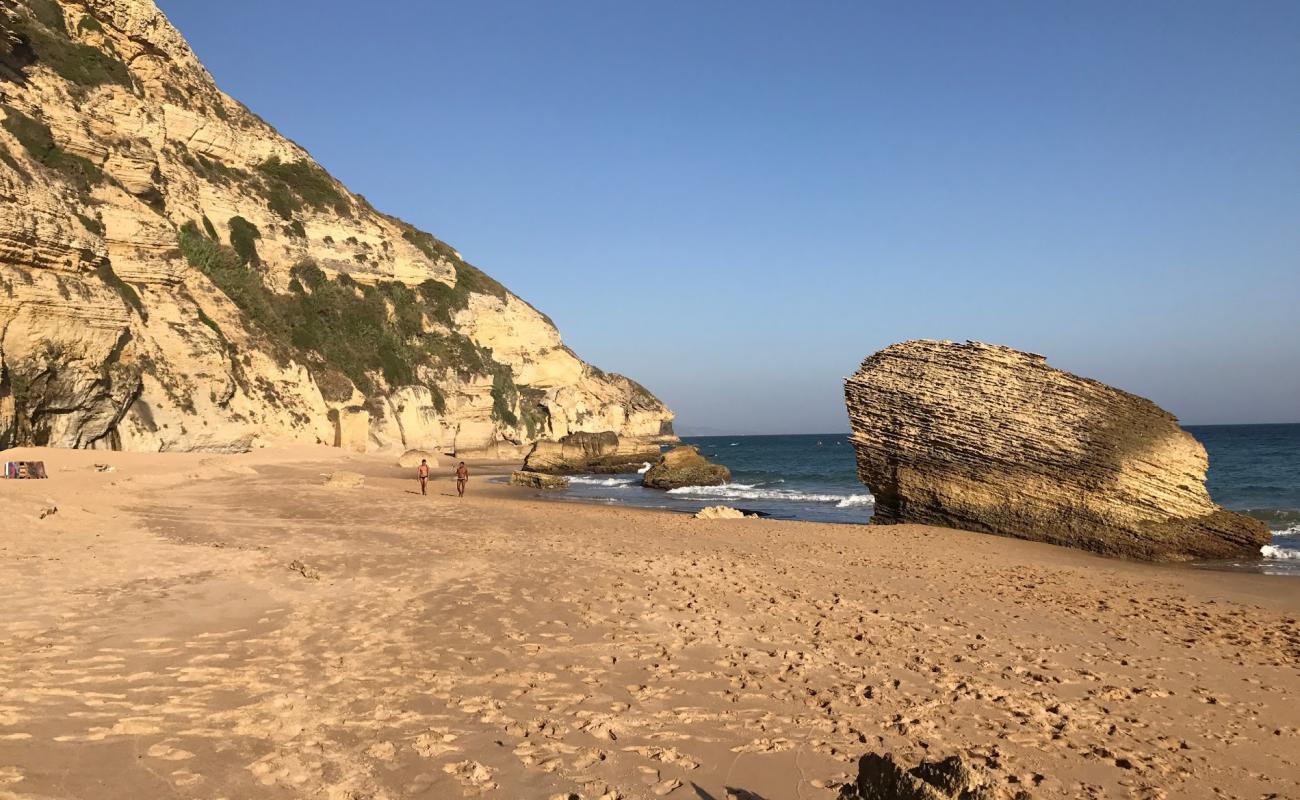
(211, 626)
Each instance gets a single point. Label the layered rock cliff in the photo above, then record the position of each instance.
(991, 439)
(176, 275)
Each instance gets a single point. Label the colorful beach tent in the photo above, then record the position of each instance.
(25, 469)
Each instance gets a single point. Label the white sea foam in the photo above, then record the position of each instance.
(1275, 553)
(645, 467)
(745, 491)
(856, 500)
(619, 481)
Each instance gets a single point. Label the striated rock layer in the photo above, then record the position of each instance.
(603, 452)
(987, 438)
(684, 466)
(176, 275)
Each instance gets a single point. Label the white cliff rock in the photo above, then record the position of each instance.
(164, 252)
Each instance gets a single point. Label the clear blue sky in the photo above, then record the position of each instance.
(735, 202)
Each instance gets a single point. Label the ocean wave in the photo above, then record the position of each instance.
(645, 467)
(745, 491)
(1273, 516)
(1274, 553)
(856, 500)
(620, 481)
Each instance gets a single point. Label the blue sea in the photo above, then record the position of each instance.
(1254, 469)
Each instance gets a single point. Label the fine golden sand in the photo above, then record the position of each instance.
(214, 626)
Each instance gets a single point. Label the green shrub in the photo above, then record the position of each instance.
(91, 224)
(232, 275)
(49, 14)
(307, 182)
(504, 396)
(47, 34)
(209, 227)
(243, 238)
(213, 170)
(89, 23)
(311, 275)
(282, 201)
(36, 138)
(297, 229)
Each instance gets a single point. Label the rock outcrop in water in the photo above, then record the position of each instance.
(684, 466)
(987, 438)
(176, 275)
(605, 452)
(538, 480)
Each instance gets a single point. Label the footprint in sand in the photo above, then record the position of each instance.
(166, 752)
(472, 775)
(436, 743)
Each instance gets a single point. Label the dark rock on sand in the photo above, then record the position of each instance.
(601, 452)
(538, 480)
(881, 777)
(684, 466)
(990, 439)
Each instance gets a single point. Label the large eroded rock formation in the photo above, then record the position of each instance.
(988, 438)
(684, 466)
(603, 452)
(175, 274)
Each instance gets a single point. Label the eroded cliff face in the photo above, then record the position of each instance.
(988, 438)
(174, 274)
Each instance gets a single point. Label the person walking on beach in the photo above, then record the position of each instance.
(422, 472)
(462, 478)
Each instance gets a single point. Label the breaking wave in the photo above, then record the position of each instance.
(745, 491)
(1275, 553)
(617, 481)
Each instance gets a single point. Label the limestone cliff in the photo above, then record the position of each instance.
(175, 274)
(987, 438)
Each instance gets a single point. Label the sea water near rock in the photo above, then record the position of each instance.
(807, 477)
(1254, 469)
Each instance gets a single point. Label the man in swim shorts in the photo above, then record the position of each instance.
(422, 472)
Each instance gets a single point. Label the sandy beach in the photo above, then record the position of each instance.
(227, 626)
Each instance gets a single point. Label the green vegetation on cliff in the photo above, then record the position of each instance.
(243, 238)
(291, 186)
(342, 328)
(35, 137)
(45, 35)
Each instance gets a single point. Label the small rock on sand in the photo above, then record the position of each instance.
(720, 512)
(537, 480)
(411, 459)
(344, 480)
(881, 777)
(304, 570)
